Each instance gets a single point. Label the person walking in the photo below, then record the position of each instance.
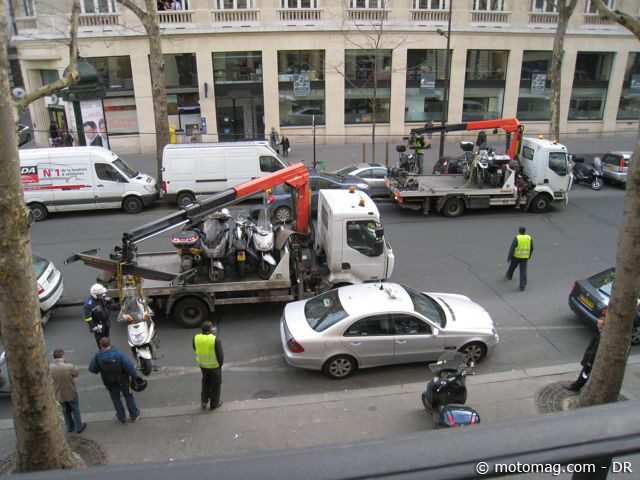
(209, 355)
(64, 376)
(285, 146)
(96, 312)
(519, 254)
(587, 359)
(117, 371)
(274, 140)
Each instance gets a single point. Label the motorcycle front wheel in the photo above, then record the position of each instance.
(597, 183)
(265, 269)
(216, 275)
(146, 366)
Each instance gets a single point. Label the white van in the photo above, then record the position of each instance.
(81, 178)
(206, 168)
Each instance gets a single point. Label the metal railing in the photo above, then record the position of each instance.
(299, 14)
(595, 19)
(98, 19)
(545, 18)
(235, 16)
(430, 16)
(26, 23)
(173, 17)
(490, 17)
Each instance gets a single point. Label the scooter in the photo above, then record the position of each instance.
(446, 393)
(239, 242)
(588, 174)
(188, 245)
(141, 331)
(262, 239)
(216, 241)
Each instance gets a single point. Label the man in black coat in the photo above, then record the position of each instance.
(587, 360)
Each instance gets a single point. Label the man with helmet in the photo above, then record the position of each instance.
(96, 312)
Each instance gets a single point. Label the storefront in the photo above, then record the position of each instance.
(360, 95)
(590, 83)
(183, 100)
(301, 87)
(484, 84)
(534, 98)
(424, 97)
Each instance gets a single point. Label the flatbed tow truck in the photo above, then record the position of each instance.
(348, 246)
(534, 173)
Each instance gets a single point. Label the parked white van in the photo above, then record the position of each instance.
(192, 169)
(81, 178)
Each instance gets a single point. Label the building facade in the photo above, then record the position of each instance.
(237, 68)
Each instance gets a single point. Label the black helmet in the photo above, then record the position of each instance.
(138, 384)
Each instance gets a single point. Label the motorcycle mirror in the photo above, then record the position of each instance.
(401, 148)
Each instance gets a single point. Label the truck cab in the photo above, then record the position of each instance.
(349, 234)
(546, 164)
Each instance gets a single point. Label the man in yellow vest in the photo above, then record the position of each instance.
(208, 350)
(420, 154)
(519, 254)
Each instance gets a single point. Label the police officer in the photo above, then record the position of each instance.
(209, 355)
(420, 154)
(519, 254)
(96, 312)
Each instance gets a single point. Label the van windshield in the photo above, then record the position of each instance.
(124, 167)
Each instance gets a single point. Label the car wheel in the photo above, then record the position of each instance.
(473, 352)
(190, 312)
(454, 207)
(635, 335)
(132, 204)
(340, 366)
(282, 214)
(184, 199)
(39, 211)
(541, 203)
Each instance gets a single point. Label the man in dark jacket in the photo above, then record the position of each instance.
(209, 355)
(96, 312)
(519, 254)
(587, 359)
(117, 372)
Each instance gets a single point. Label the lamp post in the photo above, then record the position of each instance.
(447, 79)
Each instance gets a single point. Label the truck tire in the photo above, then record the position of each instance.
(184, 199)
(190, 312)
(39, 211)
(454, 207)
(541, 203)
(132, 204)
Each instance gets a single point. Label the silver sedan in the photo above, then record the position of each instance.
(372, 173)
(373, 324)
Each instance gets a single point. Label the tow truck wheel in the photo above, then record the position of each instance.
(190, 312)
(541, 203)
(454, 207)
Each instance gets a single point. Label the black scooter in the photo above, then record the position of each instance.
(589, 174)
(446, 393)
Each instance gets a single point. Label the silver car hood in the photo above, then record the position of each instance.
(463, 314)
(296, 321)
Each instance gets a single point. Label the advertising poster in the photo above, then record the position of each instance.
(538, 83)
(121, 115)
(428, 83)
(94, 126)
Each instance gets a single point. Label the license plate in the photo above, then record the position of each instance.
(586, 301)
(241, 256)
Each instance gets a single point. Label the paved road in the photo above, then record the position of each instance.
(465, 255)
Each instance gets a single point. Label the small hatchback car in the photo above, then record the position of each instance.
(49, 280)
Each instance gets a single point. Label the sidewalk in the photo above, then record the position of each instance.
(243, 427)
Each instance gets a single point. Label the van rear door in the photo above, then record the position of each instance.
(72, 181)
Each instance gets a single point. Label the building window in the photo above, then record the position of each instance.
(301, 87)
(183, 100)
(590, 82)
(544, 6)
(590, 7)
(366, 3)
(484, 84)
(362, 68)
(164, 5)
(424, 97)
(49, 76)
(180, 70)
(113, 72)
(299, 3)
(24, 8)
(430, 4)
(235, 4)
(488, 5)
(98, 6)
(184, 111)
(629, 106)
(237, 67)
(534, 99)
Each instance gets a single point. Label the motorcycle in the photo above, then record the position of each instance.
(588, 174)
(188, 246)
(239, 243)
(407, 161)
(446, 393)
(141, 331)
(216, 241)
(262, 239)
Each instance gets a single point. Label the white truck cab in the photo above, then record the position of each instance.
(350, 235)
(546, 164)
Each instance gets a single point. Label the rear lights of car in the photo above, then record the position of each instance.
(294, 346)
(575, 287)
(621, 166)
(40, 289)
(164, 186)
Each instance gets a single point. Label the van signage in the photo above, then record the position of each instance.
(29, 175)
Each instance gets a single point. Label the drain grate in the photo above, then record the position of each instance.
(551, 398)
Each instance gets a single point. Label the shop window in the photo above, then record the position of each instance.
(489, 5)
(237, 67)
(180, 70)
(424, 95)
(430, 4)
(24, 8)
(629, 106)
(361, 68)
(184, 111)
(301, 87)
(590, 83)
(98, 6)
(484, 84)
(113, 72)
(544, 6)
(121, 115)
(534, 99)
(235, 4)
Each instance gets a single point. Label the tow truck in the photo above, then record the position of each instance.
(345, 246)
(534, 173)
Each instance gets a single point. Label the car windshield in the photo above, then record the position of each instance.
(124, 167)
(346, 170)
(427, 307)
(324, 311)
(39, 264)
(603, 281)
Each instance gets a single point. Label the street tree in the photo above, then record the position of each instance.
(565, 10)
(40, 440)
(151, 24)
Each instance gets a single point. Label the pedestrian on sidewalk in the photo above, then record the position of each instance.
(209, 355)
(587, 359)
(64, 376)
(96, 312)
(285, 146)
(519, 254)
(117, 372)
(274, 140)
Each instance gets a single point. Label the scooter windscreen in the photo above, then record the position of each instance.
(263, 225)
(134, 308)
(449, 360)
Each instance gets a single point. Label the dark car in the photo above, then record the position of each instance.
(589, 299)
(282, 207)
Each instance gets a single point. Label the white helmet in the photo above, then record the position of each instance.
(97, 290)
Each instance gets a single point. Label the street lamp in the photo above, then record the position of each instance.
(445, 113)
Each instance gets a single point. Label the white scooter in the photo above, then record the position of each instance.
(262, 239)
(141, 330)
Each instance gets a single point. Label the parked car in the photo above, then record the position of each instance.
(615, 166)
(282, 206)
(373, 324)
(49, 282)
(589, 299)
(372, 173)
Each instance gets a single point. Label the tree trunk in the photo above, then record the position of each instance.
(40, 441)
(556, 70)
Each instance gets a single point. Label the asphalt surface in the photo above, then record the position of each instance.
(465, 255)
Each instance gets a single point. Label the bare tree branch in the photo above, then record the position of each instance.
(140, 13)
(627, 21)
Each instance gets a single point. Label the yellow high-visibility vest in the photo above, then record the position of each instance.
(523, 249)
(206, 350)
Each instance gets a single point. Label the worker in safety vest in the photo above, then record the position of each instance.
(420, 154)
(208, 350)
(519, 254)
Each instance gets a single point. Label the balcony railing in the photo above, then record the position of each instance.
(299, 14)
(594, 19)
(430, 16)
(543, 18)
(26, 23)
(234, 16)
(490, 17)
(175, 17)
(99, 20)
(371, 14)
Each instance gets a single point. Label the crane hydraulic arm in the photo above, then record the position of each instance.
(508, 125)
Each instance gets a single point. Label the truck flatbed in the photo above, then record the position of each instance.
(439, 185)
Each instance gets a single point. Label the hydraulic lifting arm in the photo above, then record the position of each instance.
(508, 125)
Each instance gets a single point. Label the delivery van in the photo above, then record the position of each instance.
(81, 178)
(190, 170)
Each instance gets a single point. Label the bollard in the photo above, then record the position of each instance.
(364, 153)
